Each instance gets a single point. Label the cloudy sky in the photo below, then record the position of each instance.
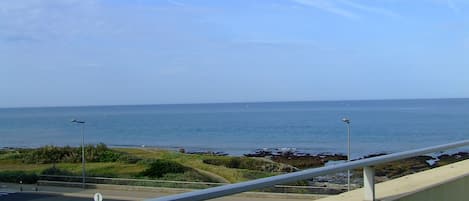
(108, 52)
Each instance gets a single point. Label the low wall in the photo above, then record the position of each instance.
(447, 183)
(457, 190)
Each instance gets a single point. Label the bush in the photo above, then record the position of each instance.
(216, 161)
(243, 163)
(126, 158)
(160, 167)
(10, 155)
(53, 154)
(146, 161)
(235, 163)
(17, 176)
(108, 156)
(56, 171)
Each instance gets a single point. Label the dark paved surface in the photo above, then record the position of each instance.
(42, 197)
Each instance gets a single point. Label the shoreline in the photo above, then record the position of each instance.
(277, 154)
(208, 166)
(244, 152)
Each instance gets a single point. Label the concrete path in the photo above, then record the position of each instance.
(115, 192)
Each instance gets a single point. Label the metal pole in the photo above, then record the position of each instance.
(83, 153)
(348, 155)
(369, 183)
(347, 122)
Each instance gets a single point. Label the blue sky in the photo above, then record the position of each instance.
(108, 52)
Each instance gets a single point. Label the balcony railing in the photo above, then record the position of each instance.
(366, 164)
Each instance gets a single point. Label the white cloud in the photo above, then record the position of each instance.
(328, 6)
(370, 9)
(36, 20)
(452, 6)
(466, 42)
(346, 8)
(176, 3)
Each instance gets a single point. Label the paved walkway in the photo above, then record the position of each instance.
(131, 194)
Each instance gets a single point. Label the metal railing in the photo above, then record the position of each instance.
(134, 182)
(74, 180)
(366, 164)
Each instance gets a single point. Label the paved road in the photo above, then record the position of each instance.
(127, 193)
(41, 197)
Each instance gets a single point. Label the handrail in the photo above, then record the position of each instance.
(230, 189)
(136, 180)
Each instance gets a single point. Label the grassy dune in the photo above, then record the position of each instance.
(197, 170)
(196, 162)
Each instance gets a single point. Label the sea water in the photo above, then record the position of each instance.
(238, 128)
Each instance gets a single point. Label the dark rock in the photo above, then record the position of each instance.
(211, 153)
(447, 159)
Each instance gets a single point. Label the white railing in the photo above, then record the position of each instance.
(366, 164)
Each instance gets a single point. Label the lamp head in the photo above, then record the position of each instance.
(346, 120)
(77, 121)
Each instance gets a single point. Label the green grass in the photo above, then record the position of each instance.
(197, 170)
(196, 161)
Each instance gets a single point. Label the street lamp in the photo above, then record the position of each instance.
(347, 122)
(82, 148)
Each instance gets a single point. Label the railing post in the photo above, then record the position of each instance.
(369, 183)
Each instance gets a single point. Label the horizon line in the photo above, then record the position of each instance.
(235, 102)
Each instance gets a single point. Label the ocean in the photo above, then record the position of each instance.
(238, 128)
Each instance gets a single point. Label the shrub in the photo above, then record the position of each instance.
(10, 155)
(160, 167)
(234, 163)
(17, 176)
(300, 161)
(216, 161)
(146, 161)
(53, 154)
(243, 163)
(126, 158)
(56, 171)
(108, 156)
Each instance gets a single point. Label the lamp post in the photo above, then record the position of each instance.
(347, 122)
(82, 148)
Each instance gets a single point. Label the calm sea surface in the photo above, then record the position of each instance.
(377, 126)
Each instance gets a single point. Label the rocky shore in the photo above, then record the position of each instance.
(289, 160)
(297, 159)
(337, 182)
